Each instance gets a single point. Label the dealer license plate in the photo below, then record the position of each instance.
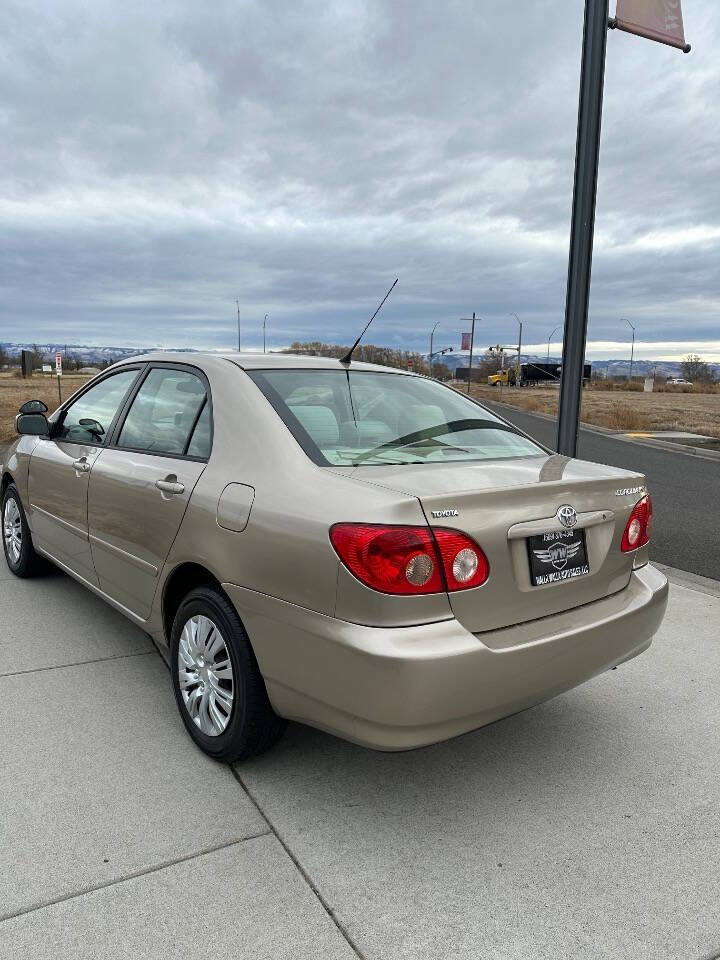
(559, 555)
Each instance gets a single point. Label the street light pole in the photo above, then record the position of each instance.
(264, 322)
(550, 338)
(518, 372)
(632, 349)
(472, 341)
(430, 355)
(587, 157)
(238, 312)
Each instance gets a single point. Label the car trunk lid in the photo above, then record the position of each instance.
(500, 504)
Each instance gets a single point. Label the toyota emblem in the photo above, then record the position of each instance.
(567, 515)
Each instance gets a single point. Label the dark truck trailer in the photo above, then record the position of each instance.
(532, 374)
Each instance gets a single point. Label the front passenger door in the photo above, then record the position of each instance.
(141, 485)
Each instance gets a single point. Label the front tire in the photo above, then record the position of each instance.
(17, 539)
(218, 686)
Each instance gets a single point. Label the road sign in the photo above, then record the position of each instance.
(58, 364)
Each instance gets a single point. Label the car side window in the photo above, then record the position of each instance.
(164, 412)
(200, 441)
(88, 419)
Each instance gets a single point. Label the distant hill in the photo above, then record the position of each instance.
(89, 355)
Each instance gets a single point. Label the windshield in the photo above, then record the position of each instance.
(347, 418)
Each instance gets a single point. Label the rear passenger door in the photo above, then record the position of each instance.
(141, 484)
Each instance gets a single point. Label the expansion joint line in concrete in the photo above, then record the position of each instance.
(156, 868)
(301, 870)
(299, 867)
(77, 663)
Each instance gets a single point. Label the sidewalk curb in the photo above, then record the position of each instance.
(711, 455)
(691, 581)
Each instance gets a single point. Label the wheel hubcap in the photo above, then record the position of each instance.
(205, 675)
(12, 530)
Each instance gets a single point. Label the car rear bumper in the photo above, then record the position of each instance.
(404, 687)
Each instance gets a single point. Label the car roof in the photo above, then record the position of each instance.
(261, 361)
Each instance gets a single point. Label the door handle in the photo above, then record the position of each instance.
(170, 486)
(81, 466)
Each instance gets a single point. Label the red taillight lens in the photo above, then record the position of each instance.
(400, 560)
(639, 526)
(464, 563)
(407, 560)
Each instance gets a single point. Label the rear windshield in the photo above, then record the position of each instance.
(348, 418)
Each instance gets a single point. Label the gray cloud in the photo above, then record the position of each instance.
(157, 161)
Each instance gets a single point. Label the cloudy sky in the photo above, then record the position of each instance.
(159, 160)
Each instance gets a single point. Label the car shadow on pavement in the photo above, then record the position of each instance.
(570, 745)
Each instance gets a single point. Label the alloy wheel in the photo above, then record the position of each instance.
(205, 675)
(12, 530)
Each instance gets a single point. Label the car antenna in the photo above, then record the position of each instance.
(348, 356)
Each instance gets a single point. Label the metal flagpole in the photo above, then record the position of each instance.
(583, 222)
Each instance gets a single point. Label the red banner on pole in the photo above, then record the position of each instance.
(659, 20)
(465, 341)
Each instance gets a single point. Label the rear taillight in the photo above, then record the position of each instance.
(407, 560)
(639, 526)
(464, 563)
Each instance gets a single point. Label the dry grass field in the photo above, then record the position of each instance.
(622, 410)
(14, 391)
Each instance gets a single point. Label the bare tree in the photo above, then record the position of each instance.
(696, 370)
(39, 357)
(489, 363)
(73, 361)
(368, 352)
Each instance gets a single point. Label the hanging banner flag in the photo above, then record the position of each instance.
(659, 20)
(465, 341)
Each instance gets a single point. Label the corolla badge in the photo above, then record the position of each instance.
(567, 515)
(559, 553)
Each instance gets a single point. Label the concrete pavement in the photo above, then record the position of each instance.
(584, 827)
(117, 837)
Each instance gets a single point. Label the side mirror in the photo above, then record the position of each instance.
(92, 426)
(33, 406)
(32, 424)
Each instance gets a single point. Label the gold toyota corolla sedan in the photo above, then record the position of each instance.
(357, 548)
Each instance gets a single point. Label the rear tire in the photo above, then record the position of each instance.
(218, 686)
(17, 539)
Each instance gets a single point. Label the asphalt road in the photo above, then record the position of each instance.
(685, 492)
